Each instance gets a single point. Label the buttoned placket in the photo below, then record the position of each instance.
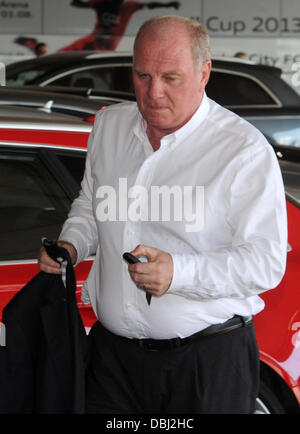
(132, 230)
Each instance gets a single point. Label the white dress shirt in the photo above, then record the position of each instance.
(233, 250)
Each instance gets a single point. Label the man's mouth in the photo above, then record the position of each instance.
(151, 107)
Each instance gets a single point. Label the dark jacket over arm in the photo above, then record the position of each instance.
(43, 362)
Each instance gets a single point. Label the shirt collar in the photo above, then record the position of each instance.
(179, 135)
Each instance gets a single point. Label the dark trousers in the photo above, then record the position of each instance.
(213, 374)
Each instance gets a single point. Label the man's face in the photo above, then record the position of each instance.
(168, 87)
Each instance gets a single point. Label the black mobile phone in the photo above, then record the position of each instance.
(131, 259)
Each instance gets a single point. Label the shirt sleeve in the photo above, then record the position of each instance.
(256, 259)
(80, 228)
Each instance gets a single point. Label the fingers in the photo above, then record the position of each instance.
(154, 276)
(70, 248)
(47, 264)
(150, 252)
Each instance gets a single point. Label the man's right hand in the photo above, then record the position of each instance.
(48, 265)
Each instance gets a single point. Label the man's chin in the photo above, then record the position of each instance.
(157, 119)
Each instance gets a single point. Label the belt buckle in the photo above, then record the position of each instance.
(146, 345)
(149, 344)
(246, 320)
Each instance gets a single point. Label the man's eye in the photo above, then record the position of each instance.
(142, 76)
(170, 78)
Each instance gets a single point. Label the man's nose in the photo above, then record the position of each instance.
(155, 89)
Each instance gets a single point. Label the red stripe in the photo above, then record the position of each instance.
(58, 138)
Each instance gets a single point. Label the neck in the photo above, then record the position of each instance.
(154, 137)
(156, 134)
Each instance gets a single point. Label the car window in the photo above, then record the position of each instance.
(32, 205)
(234, 90)
(24, 77)
(106, 78)
(74, 164)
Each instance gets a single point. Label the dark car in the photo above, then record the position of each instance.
(255, 92)
(234, 83)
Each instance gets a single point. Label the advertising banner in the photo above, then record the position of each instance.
(265, 31)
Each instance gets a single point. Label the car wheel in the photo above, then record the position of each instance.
(267, 402)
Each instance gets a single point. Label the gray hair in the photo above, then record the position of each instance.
(200, 44)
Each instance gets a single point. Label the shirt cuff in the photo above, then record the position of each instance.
(182, 273)
(81, 254)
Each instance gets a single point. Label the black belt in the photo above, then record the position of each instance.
(216, 329)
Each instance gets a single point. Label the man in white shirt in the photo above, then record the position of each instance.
(197, 191)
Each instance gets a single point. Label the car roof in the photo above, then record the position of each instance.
(27, 118)
(11, 111)
(66, 58)
(47, 100)
(69, 57)
(105, 95)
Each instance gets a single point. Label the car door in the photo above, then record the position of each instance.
(37, 186)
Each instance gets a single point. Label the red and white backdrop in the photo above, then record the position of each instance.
(268, 31)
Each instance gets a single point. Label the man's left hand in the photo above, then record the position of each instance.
(154, 276)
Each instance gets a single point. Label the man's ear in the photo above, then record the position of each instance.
(205, 73)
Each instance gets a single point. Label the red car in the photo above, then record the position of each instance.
(41, 166)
